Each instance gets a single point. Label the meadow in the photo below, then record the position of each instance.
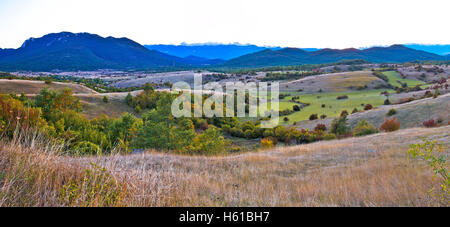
(394, 77)
(333, 106)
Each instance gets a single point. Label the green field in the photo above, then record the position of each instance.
(394, 77)
(333, 106)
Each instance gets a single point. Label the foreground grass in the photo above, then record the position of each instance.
(364, 171)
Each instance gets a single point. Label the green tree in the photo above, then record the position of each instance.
(129, 99)
(209, 142)
(339, 126)
(148, 87)
(162, 131)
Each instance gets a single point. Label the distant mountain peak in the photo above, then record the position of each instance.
(83, 51)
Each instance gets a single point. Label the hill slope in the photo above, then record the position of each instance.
(82, 51)
(31, 87)
(411, 114)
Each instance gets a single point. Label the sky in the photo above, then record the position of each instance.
(304, 24)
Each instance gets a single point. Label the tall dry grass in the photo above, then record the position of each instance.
(365, 171)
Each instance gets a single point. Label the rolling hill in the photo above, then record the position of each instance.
(83, 51)
(295, 56)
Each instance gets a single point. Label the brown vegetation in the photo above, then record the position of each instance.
(364, 171)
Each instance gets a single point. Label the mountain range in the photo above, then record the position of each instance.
(436, 49)
(84, 51)
(209, 51)
(295, 56)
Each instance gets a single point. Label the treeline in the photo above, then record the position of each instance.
(306, 67)
(271, 76)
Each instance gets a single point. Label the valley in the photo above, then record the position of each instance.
(78, 107)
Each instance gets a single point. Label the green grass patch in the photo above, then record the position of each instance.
(394, 77)
(333, 107)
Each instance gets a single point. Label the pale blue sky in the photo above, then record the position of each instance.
(319, 23)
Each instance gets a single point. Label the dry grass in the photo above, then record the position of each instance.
(333, 82)
(330, 173)
(93, 106)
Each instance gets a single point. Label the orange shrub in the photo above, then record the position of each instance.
(390, 125)
(267, 143)
(14, 114)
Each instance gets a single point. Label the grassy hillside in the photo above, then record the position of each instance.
(363, 171)
(93, 105)
(34, 87)
(394, 78)
(334, 82)
(411, 114)
(333, 106)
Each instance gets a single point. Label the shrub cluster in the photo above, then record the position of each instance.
(391, 112)
(364, 128)
(430, 123)
(390, 125)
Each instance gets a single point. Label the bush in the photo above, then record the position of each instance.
(209, 142)
(105, 99)
(268, 133)
(390, 125)
(339, 126)
(431, 153)
(355, 111)
(391, 112)
(387, 102)
(329, 136)
(323, 116)
(129, 99)
(427, 94)
(138, 109)
(313, 117)
(344, 112)
(201, 124)
(430, 123)
(87, 148)
(285, 119)
(364, 128)
(48, 81)
(266, 143)
(320, 127)
(368, 107)
(436, 93)
(342, 97)
(296, 108)
(323, 105)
